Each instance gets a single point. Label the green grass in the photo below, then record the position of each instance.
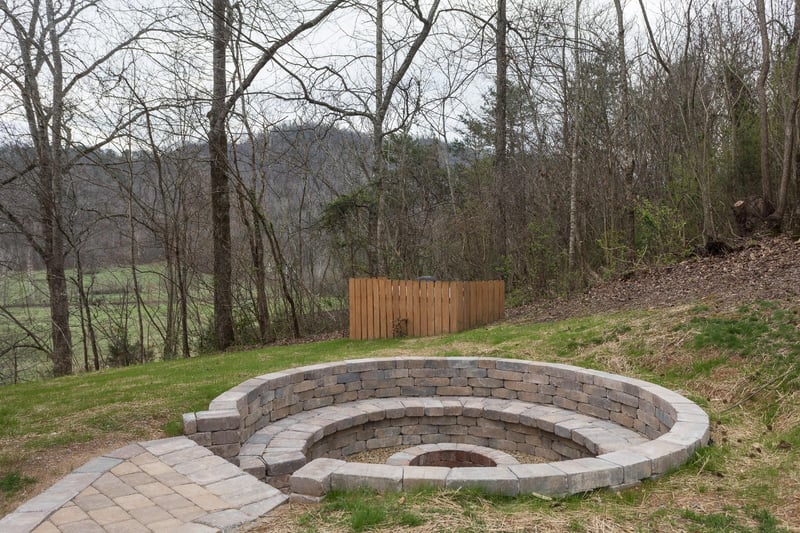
(363, 509)
(13, 482)
(732, 521)
(682, 350)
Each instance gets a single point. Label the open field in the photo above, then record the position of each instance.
(24, 303)
(739, 363)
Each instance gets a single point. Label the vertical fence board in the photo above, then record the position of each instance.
(466, 303)
(473, 305)
(431, 305)
(364, 311)
(385, 308)
(369, 311)
(486, 299)
(402, 316)
(445, 299)
(435, 308)
(441, 310)
(376, 311)
(421, 319)
(501, 300)
(351, 294)
(455, 306)
(413, 309)
(492, 308)
(480, 308)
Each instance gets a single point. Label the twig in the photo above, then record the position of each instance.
(759, 389)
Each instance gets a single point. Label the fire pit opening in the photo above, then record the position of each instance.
(452, 459)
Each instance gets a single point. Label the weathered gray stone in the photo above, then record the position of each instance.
(262, 507)
(314, 479)
(218, 420)
(20, 521)
(663, 454)
(225, 437)
(493, 480)
(189, 423)
(224, 520)
(253, 465)
(60, 493)
(284, 463)
(590, 473)
(635, 467)
(415, 477)
(381, 478)
(540, 479)
(98, 465)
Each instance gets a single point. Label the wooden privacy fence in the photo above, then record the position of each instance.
(381, 308)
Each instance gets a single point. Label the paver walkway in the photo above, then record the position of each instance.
(169, 485)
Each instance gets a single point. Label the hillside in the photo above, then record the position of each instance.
(767, 269)
(723, 330)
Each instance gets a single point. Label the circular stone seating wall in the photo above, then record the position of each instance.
(293, 427)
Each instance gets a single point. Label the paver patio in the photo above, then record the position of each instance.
(169, 485)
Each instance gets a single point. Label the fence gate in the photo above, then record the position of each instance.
(381, 308)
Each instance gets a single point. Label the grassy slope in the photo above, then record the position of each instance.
(747, 481)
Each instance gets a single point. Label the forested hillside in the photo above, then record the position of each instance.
(178, 177)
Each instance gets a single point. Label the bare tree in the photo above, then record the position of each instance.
(221, 106)
(50, 83)
(789, 125)
(763, 109)
(573, 173)
(627, 156)
(500, 126)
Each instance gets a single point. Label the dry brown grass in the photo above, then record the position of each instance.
(746, 472)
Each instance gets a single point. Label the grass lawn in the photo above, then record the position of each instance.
(741, 365)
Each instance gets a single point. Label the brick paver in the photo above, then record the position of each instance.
(164, 485)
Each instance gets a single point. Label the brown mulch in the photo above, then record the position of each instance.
(767, 269)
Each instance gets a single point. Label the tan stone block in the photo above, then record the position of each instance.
(125, 467)
(154, 489)
(128, 526)
(150, 515)
(109, 515)
(46, 527)
(133, 501)
(65, 515)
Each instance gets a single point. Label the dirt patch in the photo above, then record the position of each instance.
(47, 468)
(380, 456)
(768, 269)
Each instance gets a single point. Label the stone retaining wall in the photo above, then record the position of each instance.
(673, 426)
(414, 430)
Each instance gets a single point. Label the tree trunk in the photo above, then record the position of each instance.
(86, 308)
(184, 301)
(59, 314)
(52, 194)
(137, 293)
(171, 281)
(573, 173)
(500, 123)
(789, 135)
(627, 159)
(220, 197)
(262, 304)
(280, 264)
(375, 213)
(766, 187)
